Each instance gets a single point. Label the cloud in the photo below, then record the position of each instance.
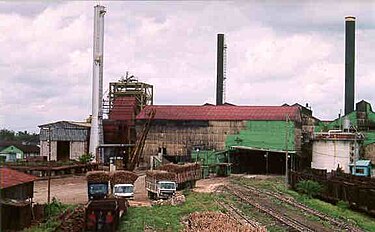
(277, 53)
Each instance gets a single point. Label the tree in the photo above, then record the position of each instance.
(20, 136)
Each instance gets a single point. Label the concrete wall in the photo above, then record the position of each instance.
(327, 154)
(76, 149)
(44, 149)
(180, 138)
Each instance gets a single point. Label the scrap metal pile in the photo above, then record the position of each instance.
(97, 177)
(123, 177)
(161, 175)
(214, 221)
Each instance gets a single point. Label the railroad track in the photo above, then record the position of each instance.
(241, 217)
(292, 202)
(283, 218)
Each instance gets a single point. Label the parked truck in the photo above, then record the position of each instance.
(97, 185)
(186, 174)
(160, 184)
(103, 210)
(122, 184)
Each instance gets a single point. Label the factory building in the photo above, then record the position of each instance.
(64, 140)
(256, 138)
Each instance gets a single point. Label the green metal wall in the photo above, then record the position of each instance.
(269, 135)
(337, 124)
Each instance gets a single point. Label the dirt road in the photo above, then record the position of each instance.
(73, 190)
(69, 190)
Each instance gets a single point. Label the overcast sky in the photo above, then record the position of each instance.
(278, 52)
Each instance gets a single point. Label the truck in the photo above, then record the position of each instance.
(102, 215)
(160, 184)
(186, 174)
(122, 184)
(97, 185)
(103, 210)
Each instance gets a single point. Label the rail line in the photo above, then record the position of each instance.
(240, 217)
(292, 202)
(288, 221)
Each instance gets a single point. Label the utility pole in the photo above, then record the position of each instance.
(286, 149)
(266, 156)
(49, 170)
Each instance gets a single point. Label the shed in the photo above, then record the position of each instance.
(64, 140)
(16, 191)
(11, 153)
(361, 168)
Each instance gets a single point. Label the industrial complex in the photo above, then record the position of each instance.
(251, 139)
(129, 140)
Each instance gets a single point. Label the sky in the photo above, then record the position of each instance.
(277, 52)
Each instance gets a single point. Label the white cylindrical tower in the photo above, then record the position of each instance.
(96, 134)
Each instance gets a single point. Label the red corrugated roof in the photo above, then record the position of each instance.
(222, 113)
(9, 178)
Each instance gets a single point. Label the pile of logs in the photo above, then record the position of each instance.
(213, 221)
(178, 168)
(161, 175)
(73, 222)
(123, 177)
(97, 177)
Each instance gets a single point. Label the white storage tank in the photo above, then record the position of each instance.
(335, 149)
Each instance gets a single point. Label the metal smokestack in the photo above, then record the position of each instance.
(349, 63)
(96, 132)
(220, 70)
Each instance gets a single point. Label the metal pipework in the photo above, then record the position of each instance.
(349, 63)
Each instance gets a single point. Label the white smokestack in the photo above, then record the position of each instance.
(96, 135)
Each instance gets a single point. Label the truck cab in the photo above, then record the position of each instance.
(124, 191)
(166, 189)
(97, 190)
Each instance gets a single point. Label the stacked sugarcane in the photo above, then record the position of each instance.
(123, 177)
(73, 222)
(178, 168)
(215, 221)
(97, 177)
(184, 172)
(160, 175)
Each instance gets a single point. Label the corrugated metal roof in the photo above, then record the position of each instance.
(362, 163)
(64, 123)
(222, 113)
(9, 178)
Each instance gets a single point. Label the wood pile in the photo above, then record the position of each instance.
(97, 177)
(123, 177)
(161, 175)
(177, 199)
(214, 221)
(73, 222)
(179, 168)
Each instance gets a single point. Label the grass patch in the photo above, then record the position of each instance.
(167, 218)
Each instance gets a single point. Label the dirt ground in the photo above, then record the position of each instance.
(73, 189)
(209, 185)
(69, 190)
